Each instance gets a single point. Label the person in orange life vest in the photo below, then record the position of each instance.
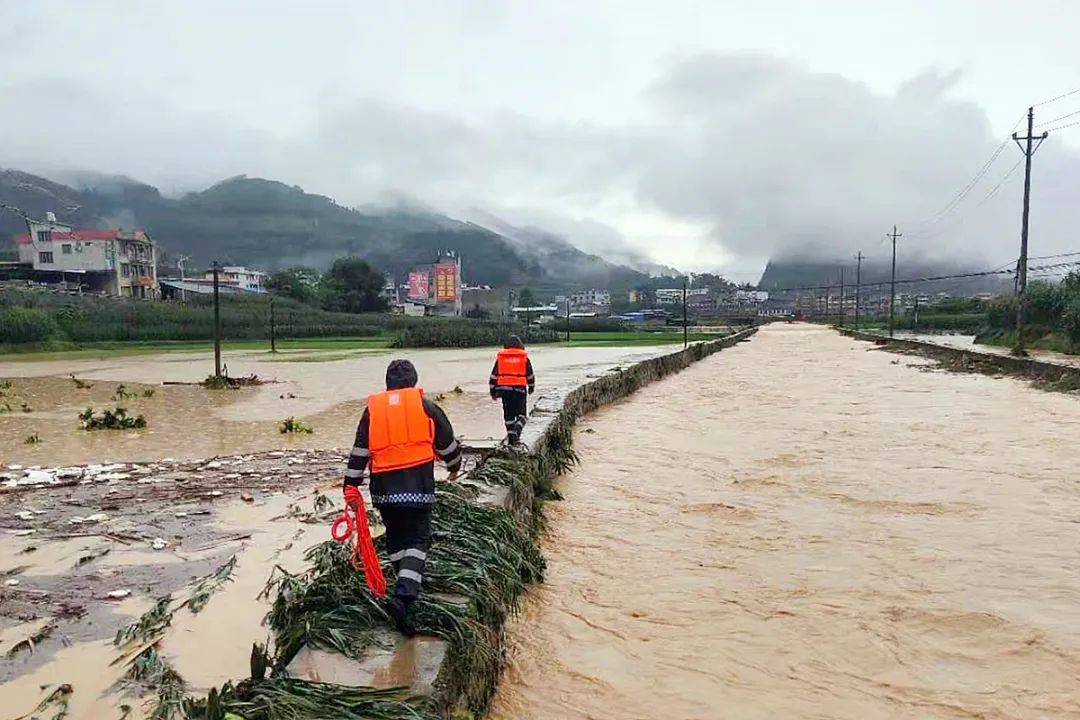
(401, 433)
(512, 380)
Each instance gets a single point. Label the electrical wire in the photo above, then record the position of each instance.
(937, 278)
(1062, 127)
(1058, 119)
(1055, 99)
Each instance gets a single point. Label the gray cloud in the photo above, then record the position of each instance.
(767, 157)
(788, 162)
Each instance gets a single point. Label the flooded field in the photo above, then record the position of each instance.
(805, 527)
(322, 388)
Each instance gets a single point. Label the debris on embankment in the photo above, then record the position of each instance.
(1042, 374)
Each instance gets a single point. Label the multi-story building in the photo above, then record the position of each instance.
(674, 296)
(114, 262)
(241, 277)
(590, 298)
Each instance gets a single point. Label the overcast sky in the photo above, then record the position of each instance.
(708, 135)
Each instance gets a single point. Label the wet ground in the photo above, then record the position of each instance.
(967, 342)
(805, 527)
(324, 389)
(97, 526)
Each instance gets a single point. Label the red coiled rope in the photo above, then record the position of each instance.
(364, 558)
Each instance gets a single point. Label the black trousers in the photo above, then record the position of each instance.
(408, 536)
(514, 413)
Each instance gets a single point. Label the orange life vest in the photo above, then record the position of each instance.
(512, 364)
(400, 433)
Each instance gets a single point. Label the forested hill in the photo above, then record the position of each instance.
(269, 225)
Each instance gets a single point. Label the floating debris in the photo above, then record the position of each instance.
(28, 643)
(117, 419)
(11, 583)
(80, 384)
(292, 425)
(118, 594)
(159, 544)
(122, 393)
(25, 515)
(207, 586)
(89, 519)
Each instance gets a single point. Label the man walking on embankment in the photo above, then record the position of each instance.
(401, 433)
(512, 381)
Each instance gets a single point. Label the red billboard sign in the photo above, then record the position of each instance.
(418, 285)
(445, 283)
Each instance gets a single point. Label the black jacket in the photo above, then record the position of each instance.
(410, 487)
(497, 389)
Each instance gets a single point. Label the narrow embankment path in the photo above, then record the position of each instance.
(804, 527)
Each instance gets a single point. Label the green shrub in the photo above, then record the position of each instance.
(26, 325)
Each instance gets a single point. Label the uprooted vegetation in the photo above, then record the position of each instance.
(292, 425)
(224, 382)
(117, 419)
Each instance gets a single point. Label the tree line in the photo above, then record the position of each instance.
(351, 285)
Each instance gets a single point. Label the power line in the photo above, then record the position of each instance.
(966, 190)
(937, 278)
(1059, 118)
(1062, 127)
(1059, 97)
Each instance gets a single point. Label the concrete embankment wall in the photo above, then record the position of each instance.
(1048, 374)
(464, 688)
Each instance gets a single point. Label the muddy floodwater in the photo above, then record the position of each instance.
(806, 527)
(324, 389)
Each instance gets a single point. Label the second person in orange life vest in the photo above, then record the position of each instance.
(512, 381)
(401, 433)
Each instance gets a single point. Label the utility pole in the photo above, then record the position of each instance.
(568, 319)
(685, 336)
(843, 309)
(828, 303)
(915, 319)
(858, 287)
(217, 325)
(892, 285)
(273, 329)
(1021, 267)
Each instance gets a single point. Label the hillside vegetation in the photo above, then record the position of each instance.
(271, 225)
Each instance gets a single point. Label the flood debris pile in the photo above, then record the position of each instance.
(481, 561)
(148, 678)
(224, 382)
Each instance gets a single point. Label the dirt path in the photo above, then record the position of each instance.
(804, 527)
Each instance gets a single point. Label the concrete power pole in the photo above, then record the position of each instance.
(1028, 149)
(842, 296)
(858, 287)
(217, 325)
(892, 285)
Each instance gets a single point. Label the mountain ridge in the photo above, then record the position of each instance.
(270, 224)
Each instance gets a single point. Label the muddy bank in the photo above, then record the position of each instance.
(1042, 373)
(824, 533)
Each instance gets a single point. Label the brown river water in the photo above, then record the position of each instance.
(325, 389)
(805, 527)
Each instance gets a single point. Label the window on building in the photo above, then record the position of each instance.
(125, 269)
(66, 247)
(45, 258)
(44, 236)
